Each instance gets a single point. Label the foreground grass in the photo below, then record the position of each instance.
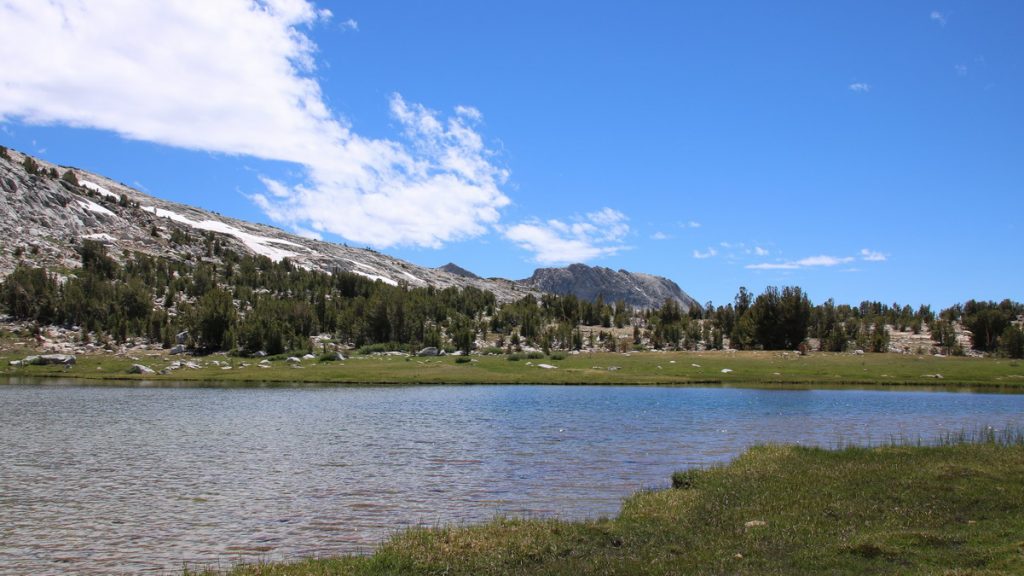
(671, 368)
(956, 509)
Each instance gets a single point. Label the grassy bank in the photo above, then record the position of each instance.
(678, 368)
(956, 509)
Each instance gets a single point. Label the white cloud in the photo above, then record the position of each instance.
(237, 77)
(350, 24)
(872, 256)
(690, 224)
(860, 87)
(773, 266)
(760, 251)
(939, 17)
(596, 234)
(659, 235)
(809, 262)
(469, 112)
(711, 252)
(961, 69)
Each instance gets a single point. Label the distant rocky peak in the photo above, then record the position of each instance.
(589, 282)
(457, 270)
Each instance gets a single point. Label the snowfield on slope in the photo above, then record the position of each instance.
(259, 244)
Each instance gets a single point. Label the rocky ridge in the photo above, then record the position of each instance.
(43, 218)
(589, 282)
(45, 215)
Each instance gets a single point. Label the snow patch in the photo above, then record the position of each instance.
(97, 188)
(102, 237)
(413, 278)
(258, 244)
(94, 207)
(383, 279)
(373, 273)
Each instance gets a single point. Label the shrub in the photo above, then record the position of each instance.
(557, 356)
(30, 165)
(378, 348)
(463, 359)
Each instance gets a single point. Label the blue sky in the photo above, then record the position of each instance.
(861, 150)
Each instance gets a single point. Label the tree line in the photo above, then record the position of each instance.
(249, 303)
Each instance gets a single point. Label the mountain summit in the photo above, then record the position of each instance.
(589, 282)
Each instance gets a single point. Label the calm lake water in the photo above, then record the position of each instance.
(128, 480)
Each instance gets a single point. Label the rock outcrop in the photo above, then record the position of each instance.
(589, 282)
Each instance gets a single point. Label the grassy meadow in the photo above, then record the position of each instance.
(638, 368)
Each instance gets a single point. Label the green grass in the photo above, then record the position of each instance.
(956, 509)
(773, 369)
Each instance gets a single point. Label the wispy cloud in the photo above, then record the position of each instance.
(349, 24)
(469, 113)
(939, 17)
(75, 63)
(860, 87)
(689, 224)
(760, 251)
(660, 236)
(961, 69)
(585, 238)
(872, 256)
(809, 262)
(710, 253)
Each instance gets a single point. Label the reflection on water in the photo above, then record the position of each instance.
(101, 480)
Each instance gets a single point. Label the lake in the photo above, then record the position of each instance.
(134, 479)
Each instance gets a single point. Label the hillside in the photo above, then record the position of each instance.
(49, 212)
(46, 215)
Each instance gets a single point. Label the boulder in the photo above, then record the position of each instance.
(259, 354)
(428, 351)
(308, 357)
(181, 337)
(179, 349)
(45, 359)
(140, 369)
(293, 360)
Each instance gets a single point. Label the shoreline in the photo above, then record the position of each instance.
(773, 509)
(715, 369)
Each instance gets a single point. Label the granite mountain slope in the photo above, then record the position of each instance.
(589, 282)
(47, 210)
